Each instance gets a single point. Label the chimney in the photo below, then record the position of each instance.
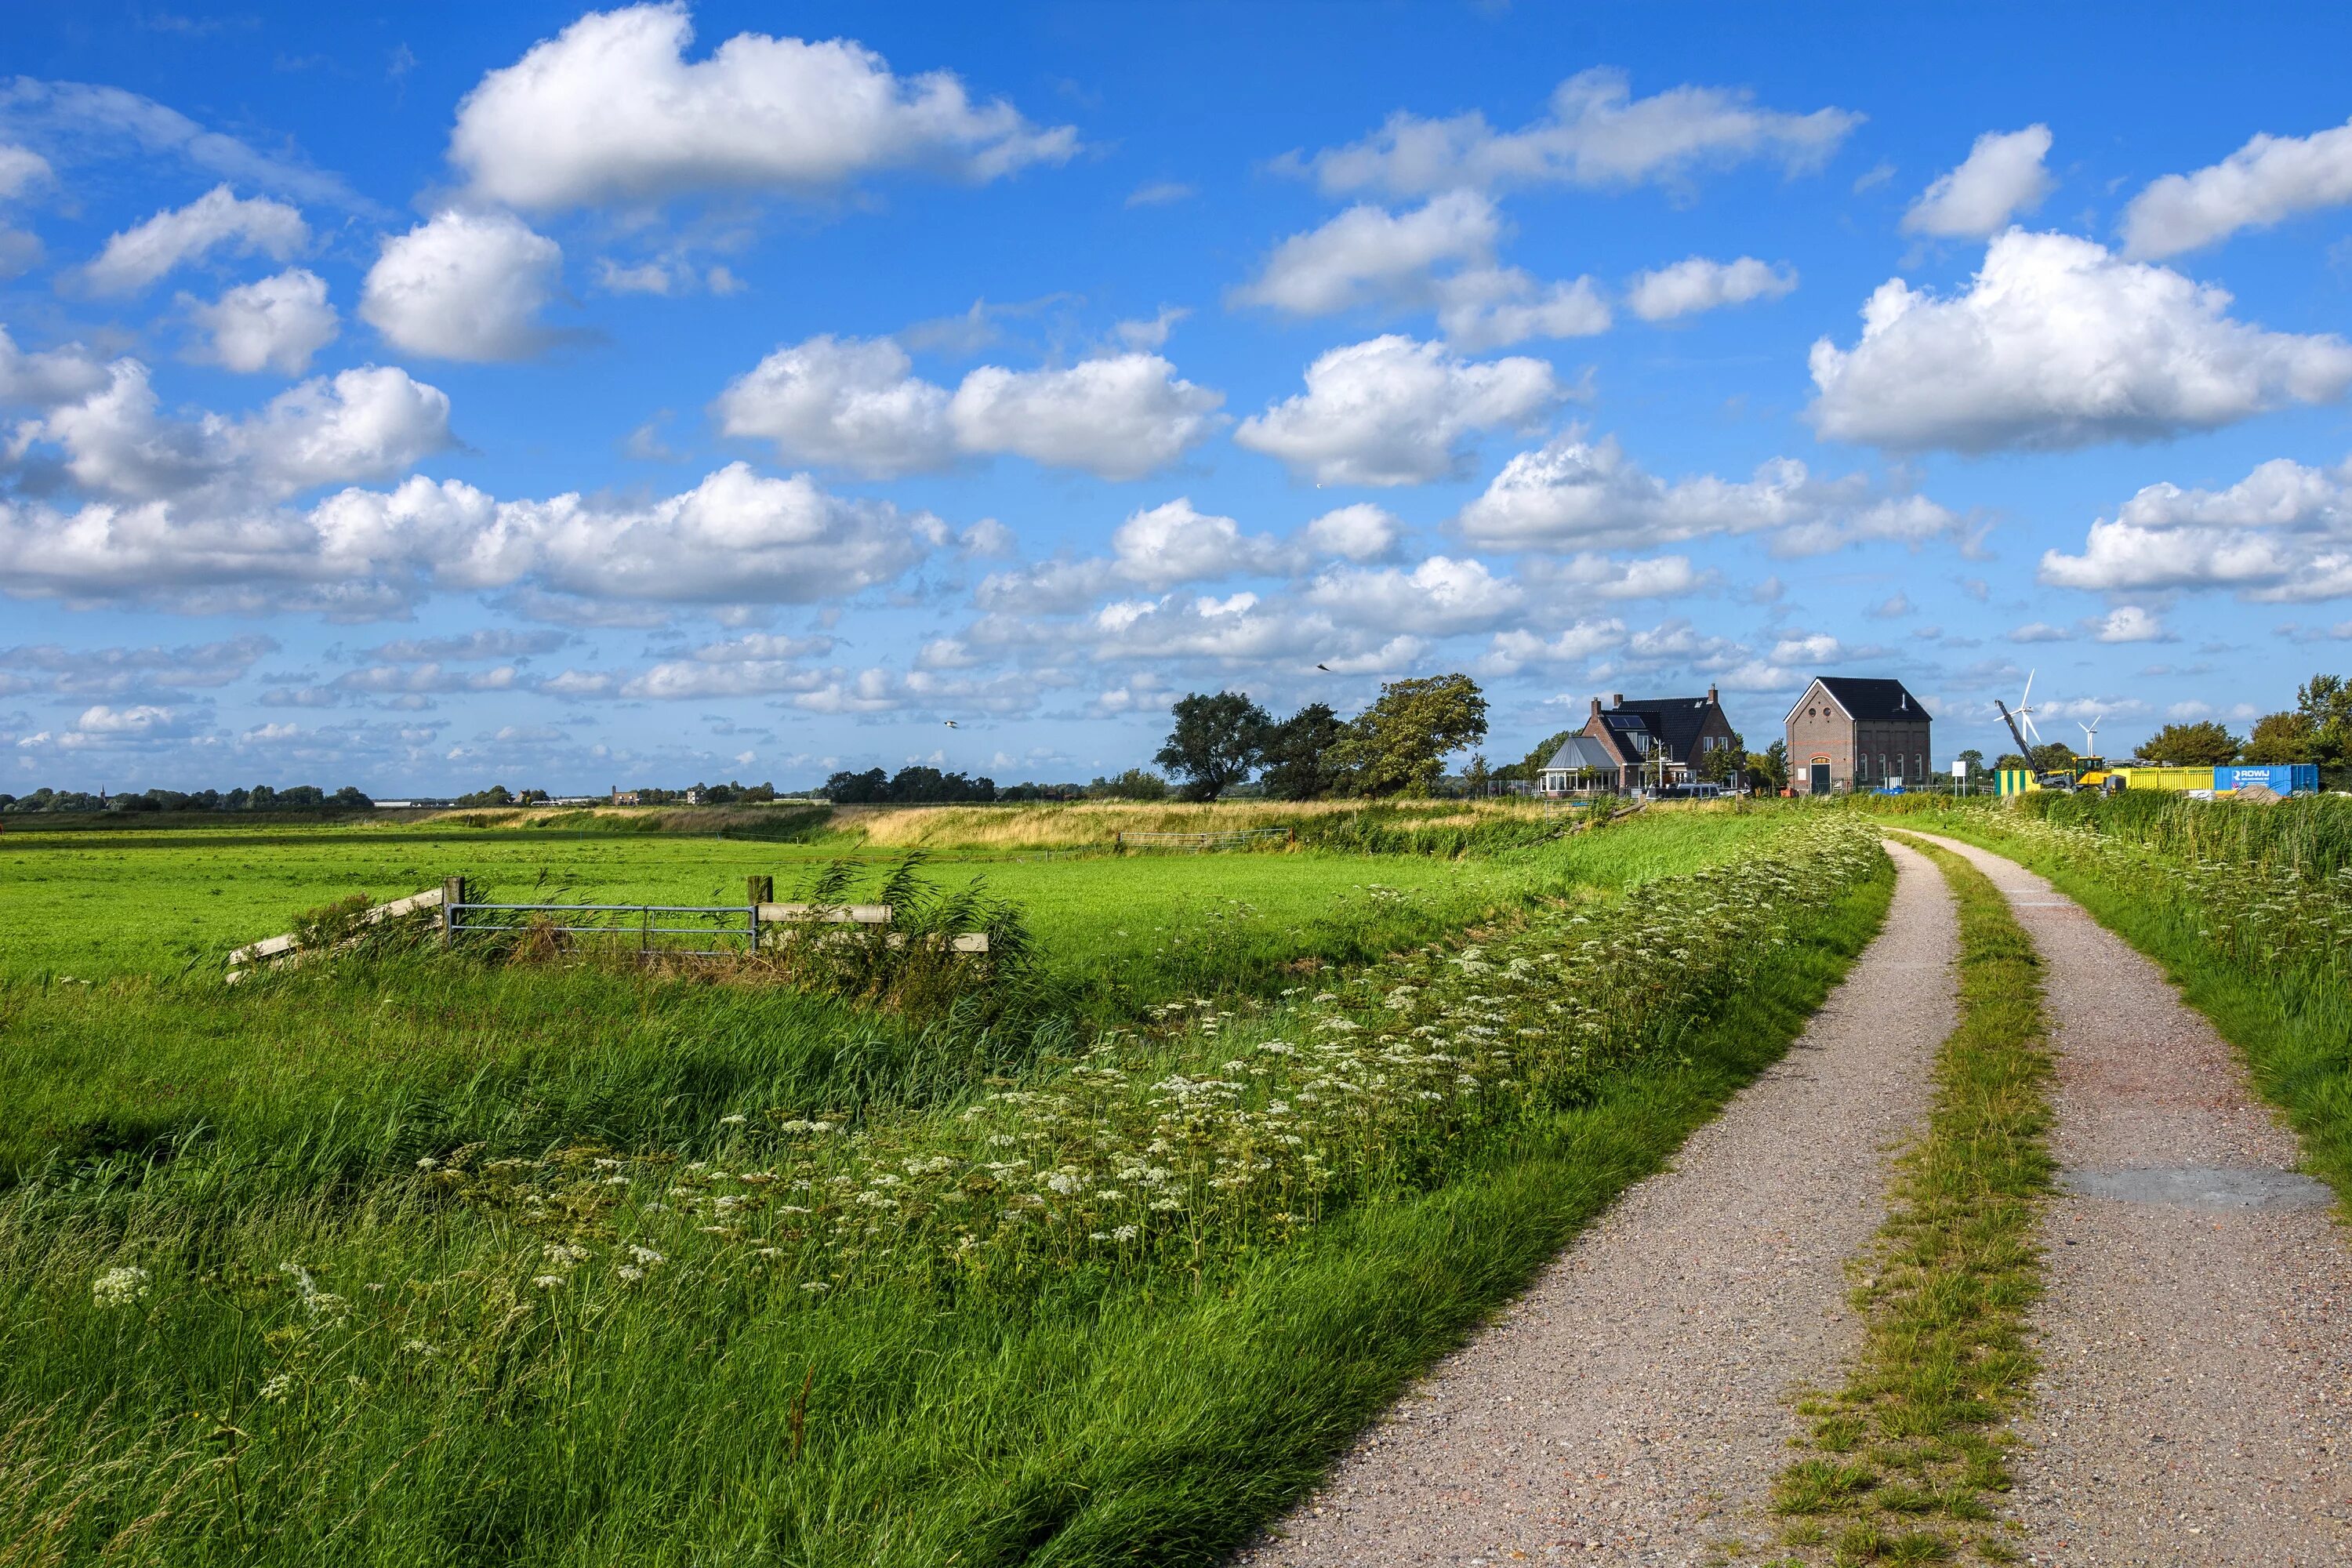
(1596, 707)
(1616, 699)
(1710, 696)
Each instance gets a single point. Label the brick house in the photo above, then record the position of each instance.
(1652, 741)
(1846, 733)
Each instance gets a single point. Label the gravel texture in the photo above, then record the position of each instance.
(1632, 1406)
(2195, 1405)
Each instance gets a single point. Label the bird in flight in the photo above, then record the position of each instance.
(951, 724)
(1324, 668)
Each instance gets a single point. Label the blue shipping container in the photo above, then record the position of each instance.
(2287, 778)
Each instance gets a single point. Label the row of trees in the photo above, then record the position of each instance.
(1396, 746)
(908, 786)
(260, 798)
(2318, 729)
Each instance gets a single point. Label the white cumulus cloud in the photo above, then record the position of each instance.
(1161, 546)
(277, 323)
(137, 256)
(855, 404)
(842, 403)
(2283, 533)
(1597, 134)
(2131, 623)
(1577, 493)
(1120, 417)
(1697, 284)
(21, 169)
(359, 424)
(1441, 597)
(2266, 181)
(1438, 255)
(47, 376)
(1392, 411)
(2057, 343)
(1360, 532)
(1483, 308)
(463, 286)
(737, 538)
(2001, 177)
(611, 109)
(1368, 253)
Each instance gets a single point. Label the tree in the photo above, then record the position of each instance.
(2325, 703)
(1974, 758)
(1775, 765)
(1399, 743)
(1136, 783)
(868, 788)
(1725, 765)
(2204, 744)
(2278, 737)
(1298, 754)
(1216, 743)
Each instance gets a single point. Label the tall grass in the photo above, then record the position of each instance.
(1094, 823)
(591, 1339)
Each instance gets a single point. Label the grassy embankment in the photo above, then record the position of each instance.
(1900, 1461)
(938, 1321)
(2247, 908)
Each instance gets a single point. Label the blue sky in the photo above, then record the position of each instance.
(519, 393)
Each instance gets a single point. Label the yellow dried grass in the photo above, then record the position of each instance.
(1084, 823)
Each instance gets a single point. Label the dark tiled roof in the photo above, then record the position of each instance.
(1874, 701)
(1676, 720)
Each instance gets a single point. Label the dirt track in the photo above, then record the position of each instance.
(2196, 1399)
(1632, 1407)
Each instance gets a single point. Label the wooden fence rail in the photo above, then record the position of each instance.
(748, 922)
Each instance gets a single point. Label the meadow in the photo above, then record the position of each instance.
(91, 904)
(424, 1257)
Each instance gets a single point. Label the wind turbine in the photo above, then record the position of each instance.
(2020, 721)
(2090, 735)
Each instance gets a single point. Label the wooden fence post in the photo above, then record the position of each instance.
(452, 893)
(759, 890)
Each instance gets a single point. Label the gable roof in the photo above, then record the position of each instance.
(1870, 701)
(1578, 752)
(1674, 721)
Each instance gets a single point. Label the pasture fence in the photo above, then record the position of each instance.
(664, 930)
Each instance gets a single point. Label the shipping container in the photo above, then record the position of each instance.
(2286, 778)
(2017, 781)
(2166, 778)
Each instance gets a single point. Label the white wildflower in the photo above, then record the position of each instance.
(119, 1287)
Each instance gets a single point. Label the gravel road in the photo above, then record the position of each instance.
(1634, 1406)
(2196, 1400)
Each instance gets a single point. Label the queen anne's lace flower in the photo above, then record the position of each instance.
(119, 1287)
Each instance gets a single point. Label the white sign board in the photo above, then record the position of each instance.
(1959, 768)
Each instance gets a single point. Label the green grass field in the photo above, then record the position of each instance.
(428, 1258)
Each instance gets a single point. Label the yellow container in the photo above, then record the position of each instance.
(2166, 778)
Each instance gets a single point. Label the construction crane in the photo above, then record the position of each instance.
(2020, 721)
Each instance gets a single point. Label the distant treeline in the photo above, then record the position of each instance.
(260, 798)
(928, 786)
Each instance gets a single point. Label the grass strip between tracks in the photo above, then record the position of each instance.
(1899, 1464)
